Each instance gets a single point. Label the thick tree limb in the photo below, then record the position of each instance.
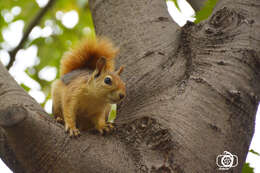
(28, 30)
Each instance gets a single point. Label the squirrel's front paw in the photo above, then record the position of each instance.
(59, 120)
(107, 128)
(72, 131)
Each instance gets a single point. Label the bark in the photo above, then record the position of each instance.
(192, 93)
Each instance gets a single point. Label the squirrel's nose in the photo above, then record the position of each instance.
(121, 96)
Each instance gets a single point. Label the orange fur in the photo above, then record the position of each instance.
(87, 54)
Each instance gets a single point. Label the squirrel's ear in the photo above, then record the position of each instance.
(120, 70)
(100, 66)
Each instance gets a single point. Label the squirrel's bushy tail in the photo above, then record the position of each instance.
(87, 54)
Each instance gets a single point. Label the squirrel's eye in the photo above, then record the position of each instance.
(108, 81)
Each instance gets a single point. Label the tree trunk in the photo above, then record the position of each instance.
(192, 93)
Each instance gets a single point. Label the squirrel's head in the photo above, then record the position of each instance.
(108, 84)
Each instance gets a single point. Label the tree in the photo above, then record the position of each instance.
(192, 93)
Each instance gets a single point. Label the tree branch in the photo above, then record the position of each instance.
(28, 30)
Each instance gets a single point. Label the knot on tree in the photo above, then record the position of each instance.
(12, 115)
(148, 132)
(226, 18)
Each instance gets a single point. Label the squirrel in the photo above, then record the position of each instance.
(88, 85)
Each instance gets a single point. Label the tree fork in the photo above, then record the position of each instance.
(192, 93)
(181, 68)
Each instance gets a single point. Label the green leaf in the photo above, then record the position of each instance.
(205, 11)
(82, 3)
(254, 152)
(26, 88)
(247, 168)
(112, 114)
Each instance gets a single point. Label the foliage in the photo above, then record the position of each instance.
(205, 11)
(247, 168)
(112, 114)
(50, 47)
(254, 152)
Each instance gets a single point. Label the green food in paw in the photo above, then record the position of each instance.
(112, 114)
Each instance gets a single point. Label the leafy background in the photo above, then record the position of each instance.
(57, 29)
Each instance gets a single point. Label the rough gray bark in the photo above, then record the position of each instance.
(192, 93)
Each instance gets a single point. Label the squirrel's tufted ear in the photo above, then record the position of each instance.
(100, 66)
(120, 70)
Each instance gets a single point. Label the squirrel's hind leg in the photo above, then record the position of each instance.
(57, 102)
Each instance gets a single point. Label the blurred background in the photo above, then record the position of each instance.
(36, 33)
